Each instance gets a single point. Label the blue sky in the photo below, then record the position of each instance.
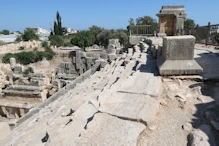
(80, 14)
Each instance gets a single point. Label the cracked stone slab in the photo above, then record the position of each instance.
(137, 107)
(73, 128)
(142, 83)
(106, 130)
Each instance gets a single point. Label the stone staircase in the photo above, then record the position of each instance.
(112, 107)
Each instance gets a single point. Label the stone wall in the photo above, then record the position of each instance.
(16, 46)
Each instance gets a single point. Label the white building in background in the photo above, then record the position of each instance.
(39, 30)
(70, 31)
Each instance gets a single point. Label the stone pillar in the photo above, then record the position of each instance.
(207, 42)
(178, 56)
(78, 60)
(12, 62)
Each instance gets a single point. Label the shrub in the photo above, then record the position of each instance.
(18, 39)
(29, 57)
(56, 40)
(5, 32)
(29, 35)
(68, 44)
(83, 39)
(21, 48)
(26, 71)
(44, 44)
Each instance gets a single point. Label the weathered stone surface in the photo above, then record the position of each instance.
(177, 56)
(106, 130)
(133, 40)
(12, 62)
(111, 57)
(137, 107)
(200, 137)
(142, 83)
(173, 17)
(4, 129)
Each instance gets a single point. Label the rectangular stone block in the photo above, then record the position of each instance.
(177, 56)
(178, 47)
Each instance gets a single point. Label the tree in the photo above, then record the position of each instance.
(95, 30)
(146, 20)
(56, 40)
(58, 25)
(29, 35)
(5, 32)
(104, 37)
(83, 39)
(189, 24)
(120, 34)
(131, 21)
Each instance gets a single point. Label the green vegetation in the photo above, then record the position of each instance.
(5, 32)
(21, 48)
(189, 24)
(58, 30)
(31, 56)
(146, 20)
(83, 39)
(56, 40)
(29, 35)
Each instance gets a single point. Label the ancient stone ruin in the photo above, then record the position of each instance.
(161, 91)
(178, 56)
(171, 20)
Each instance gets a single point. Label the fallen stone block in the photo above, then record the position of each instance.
(111, 57)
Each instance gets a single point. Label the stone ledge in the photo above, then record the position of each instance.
(178, 67)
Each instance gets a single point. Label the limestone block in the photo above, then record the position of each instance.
(142, 83)
(74, 59)
(178, 56)
(178, 47)
(106, 130)
(12, 62)
(159, 51)
(31, 69)
(111, 57)
(137, 107)
(78, 59)
(18, 69)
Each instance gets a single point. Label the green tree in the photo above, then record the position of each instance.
(95, 30)
(5, 32)
(104, 37)
(56, 40)
(131, 21)
(29, 35)
(146, 20)
(120, 34)
(189, 24)
(83, 39)
(58, 30)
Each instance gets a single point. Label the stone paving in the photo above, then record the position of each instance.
(110, 108)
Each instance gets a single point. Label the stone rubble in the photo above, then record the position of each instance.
(97, 101)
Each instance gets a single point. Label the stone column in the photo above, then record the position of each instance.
(12, 62)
